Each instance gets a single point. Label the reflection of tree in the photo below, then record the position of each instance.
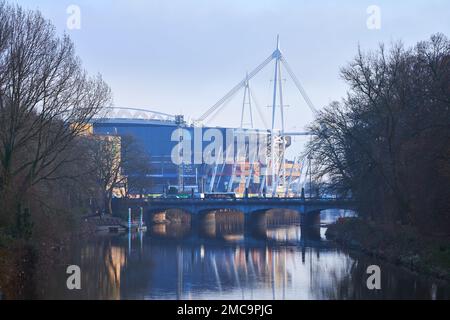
(102, 263)
(180, 268)
(114, 261)
(350, 282)
(334, 283)
(137, 274)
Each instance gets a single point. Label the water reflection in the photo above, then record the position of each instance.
(111, 259)
(280, 262)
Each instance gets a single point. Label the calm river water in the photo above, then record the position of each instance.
(282, 262)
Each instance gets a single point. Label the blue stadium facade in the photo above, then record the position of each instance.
(156, 138)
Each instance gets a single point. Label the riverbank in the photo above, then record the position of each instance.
(399, 245)
(24, 264)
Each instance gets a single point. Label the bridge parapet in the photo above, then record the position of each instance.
(195, 206)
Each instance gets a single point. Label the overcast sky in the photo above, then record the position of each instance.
(182, 56)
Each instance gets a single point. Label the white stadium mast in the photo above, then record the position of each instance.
(278, 135)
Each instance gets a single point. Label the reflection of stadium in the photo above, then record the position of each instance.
(188, 268)
(192, 271)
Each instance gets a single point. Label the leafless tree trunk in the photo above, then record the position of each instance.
(46, 100)
(117, 161)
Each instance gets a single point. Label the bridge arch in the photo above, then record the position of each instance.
(174, 215)
(225, 223)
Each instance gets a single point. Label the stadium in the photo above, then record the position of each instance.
(157, 133)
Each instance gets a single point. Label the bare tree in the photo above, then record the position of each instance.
(119, 164)
(388, 141)
(105, 152)
(46, 99)
(136, 165)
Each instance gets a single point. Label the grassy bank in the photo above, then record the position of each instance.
(400, 245)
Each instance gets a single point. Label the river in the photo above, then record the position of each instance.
(283, 262)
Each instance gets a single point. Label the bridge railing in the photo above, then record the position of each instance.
(252, 199)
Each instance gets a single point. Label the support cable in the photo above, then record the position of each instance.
(239, 86)
(258, 108)
(298, 85)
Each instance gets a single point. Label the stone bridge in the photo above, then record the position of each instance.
(246, 206)
(309, 209)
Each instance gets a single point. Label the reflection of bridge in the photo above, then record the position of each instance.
(196, 206)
